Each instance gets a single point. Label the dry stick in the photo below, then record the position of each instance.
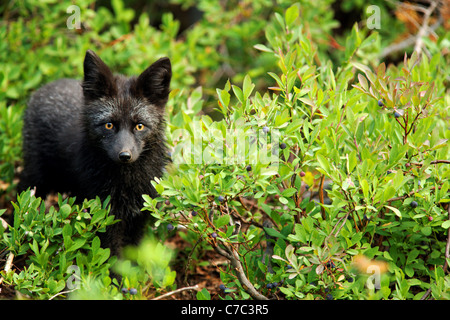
(61, 293)
(10, 258)
(423, 31)
(231, 254)
(176, 291)
(8, 265)
(401, 46)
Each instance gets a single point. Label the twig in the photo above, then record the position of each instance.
(411, 40)
(10, 258)
(423, 31)
(190, 259)
(62, 292)
(8, 265)
(231, 254)
(176, 291)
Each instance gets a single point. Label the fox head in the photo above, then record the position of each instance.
(124, 116)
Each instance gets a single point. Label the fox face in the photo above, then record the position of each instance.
(124, 116)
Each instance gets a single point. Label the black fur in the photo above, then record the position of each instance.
(68, 148)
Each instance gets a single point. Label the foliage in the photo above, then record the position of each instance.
(379, 140)
(317, 173)
(54, 242)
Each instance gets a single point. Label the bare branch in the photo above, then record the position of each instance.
(176, 291)
(424, 31)
(231, 254)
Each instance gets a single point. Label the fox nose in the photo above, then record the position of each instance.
(125, 156)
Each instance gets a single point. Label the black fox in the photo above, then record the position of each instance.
(99, 137)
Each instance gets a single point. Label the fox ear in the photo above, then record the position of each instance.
(154, 82)
(98, 78)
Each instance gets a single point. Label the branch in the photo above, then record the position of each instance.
(423, 31)
(413, 39)
(176, 291)
(231, 254)
(8, 265)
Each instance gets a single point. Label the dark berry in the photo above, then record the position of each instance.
(283, 146)
(249, 168)
(269, 286)
(124, 290)
(330, 296)
(414, 204)
(167, 202)
(266, 129)
(430, 218)
(380, 103)
(193, 213)
(170, 227)
(302, 174)
(275, 284)
(252, 112)
(214, 234)
(220, 198)
(397, 114)
(222, 287)
(133, 291)
(350, 279)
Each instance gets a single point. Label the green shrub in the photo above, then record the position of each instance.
(324, 177)
(376, 138)
(59, 246)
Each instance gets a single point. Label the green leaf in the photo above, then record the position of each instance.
(224, 98)
(203, 295)
(291, 14)
(65, 210)
(274, 233)
(446, 224)
(283, 200)
(289, 192)
(323, 162)
(426, 230)
(365, 188)
(263, 48)
(363, 82)
(395, 210)
(388, 193)
(77, 244)
(223, 220)
(247, 87)
(238, 93)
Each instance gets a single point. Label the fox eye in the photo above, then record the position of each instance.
(139, 127)
(109, 125)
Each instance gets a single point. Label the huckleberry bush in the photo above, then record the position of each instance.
(317, 171)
